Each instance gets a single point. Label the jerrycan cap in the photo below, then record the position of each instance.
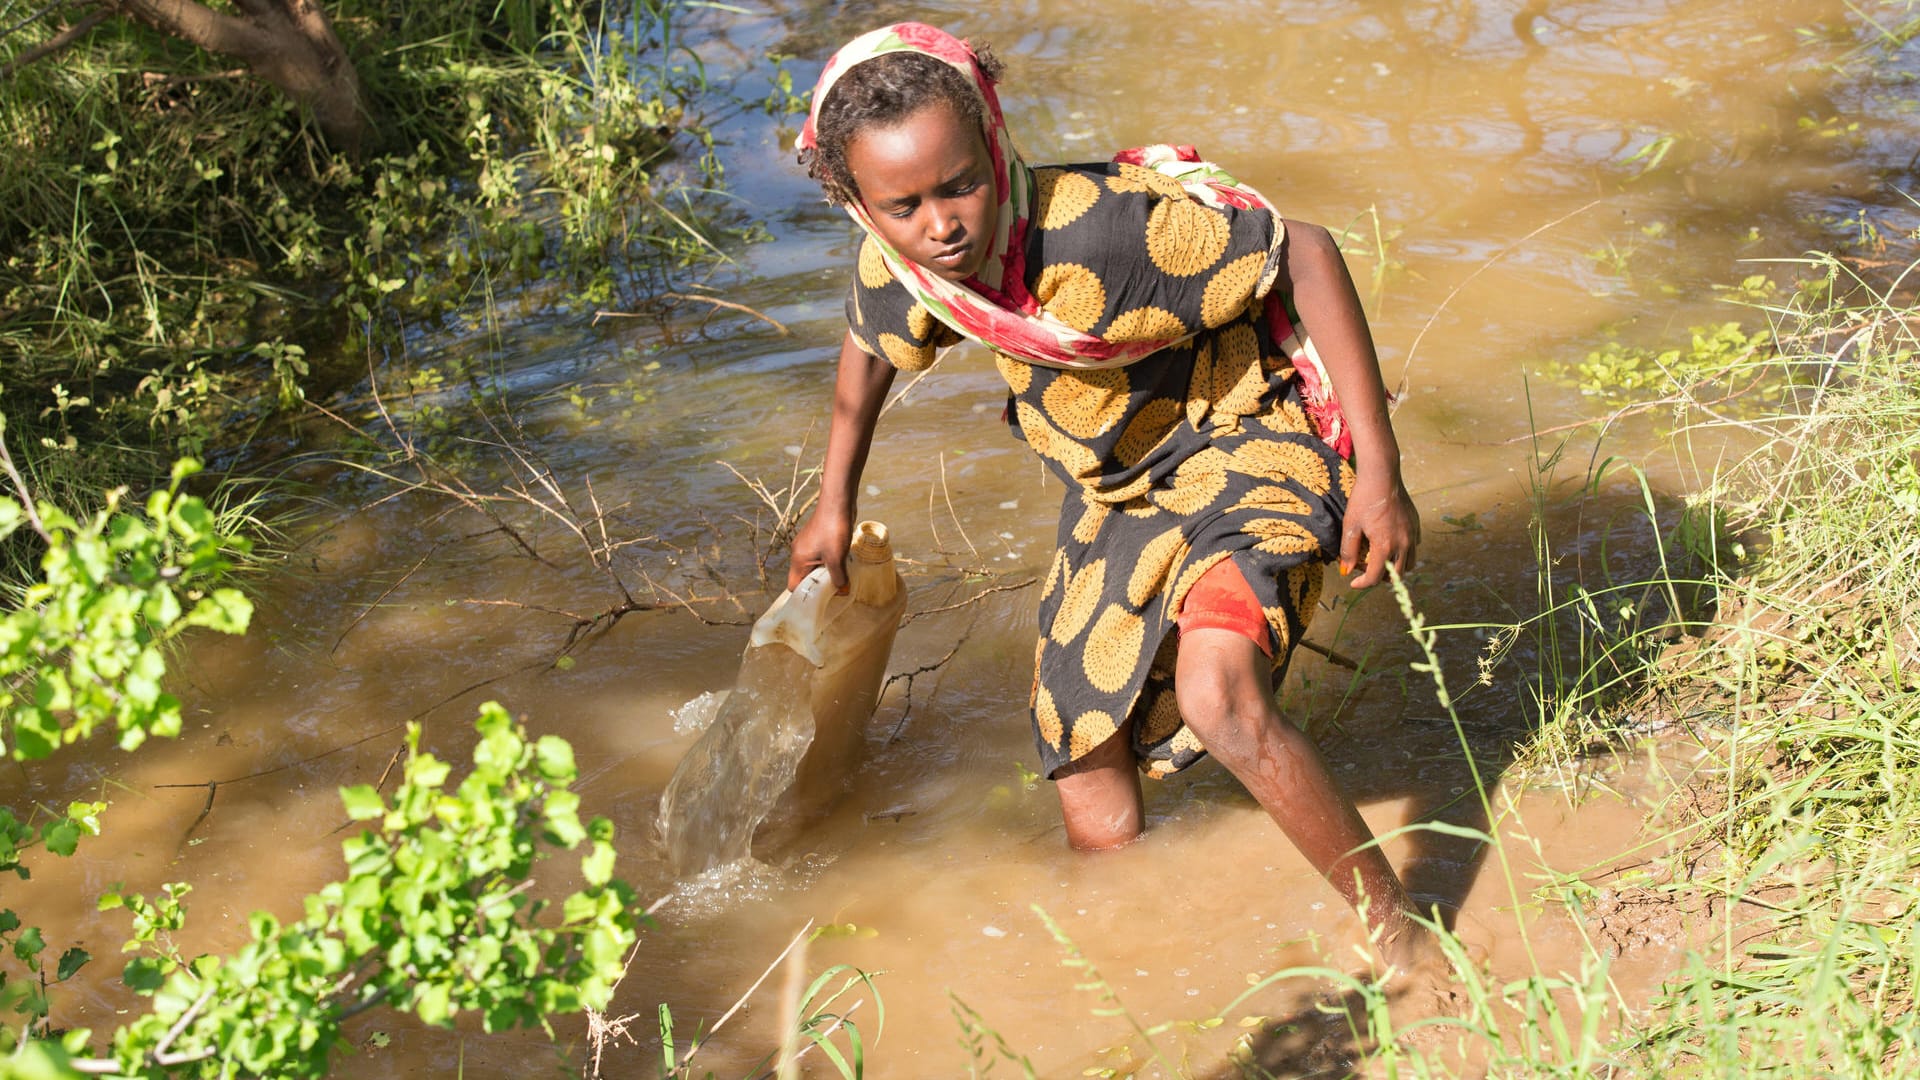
(871, 543)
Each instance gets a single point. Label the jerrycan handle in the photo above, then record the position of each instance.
(798, 619)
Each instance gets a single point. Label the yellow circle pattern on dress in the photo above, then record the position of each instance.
(1150, 426)
(1113, 648)
(1303, 584)
(1092, 515)
(1139, 178)
(1018, 373)
(1090, 729)
(1193, 489)
(1238, 379)
(1080, 463)
(1230, 289)
(1273, 499)
(1200, 385)
(1078, 605)
(1054, 573)
(1073, 294)
(1145, 324)
(1162, 716)
(1184, 237)
(1287, 418)
(873, 267)
(1184, 743)
(1046, 716)
(1282, 631)
(1087, 404)
(1060, 197)
(1156, 561)
(1281, 536)
(1194, 571)
(1126, 492)
(920, 322)
(1139, 508)
(904, 354)
(1346, 479)
(1033, 692)
(1283, 461)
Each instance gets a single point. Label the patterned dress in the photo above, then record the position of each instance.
(1198, 453)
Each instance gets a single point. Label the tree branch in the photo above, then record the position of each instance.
(202, 26)
(57, 42)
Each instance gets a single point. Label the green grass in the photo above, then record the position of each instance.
(181, 255)
(1780, 632)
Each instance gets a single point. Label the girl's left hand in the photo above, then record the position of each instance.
(1382, 527)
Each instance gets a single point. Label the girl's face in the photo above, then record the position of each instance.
(927, 185)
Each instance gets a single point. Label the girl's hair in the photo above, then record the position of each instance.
(879, 93)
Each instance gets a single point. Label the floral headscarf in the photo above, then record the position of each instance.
(994, 307)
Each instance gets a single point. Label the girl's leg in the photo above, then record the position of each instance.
(1222, 684)
(1100, 795)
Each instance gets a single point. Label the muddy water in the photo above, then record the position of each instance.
(1479, 153)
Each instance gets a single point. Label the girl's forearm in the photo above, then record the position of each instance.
(1329, 306)
(860, 387)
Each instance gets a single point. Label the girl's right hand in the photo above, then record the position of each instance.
(822, 541)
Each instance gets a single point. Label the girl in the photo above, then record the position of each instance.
(1151, 317)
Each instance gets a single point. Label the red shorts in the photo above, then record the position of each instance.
(1222, 600)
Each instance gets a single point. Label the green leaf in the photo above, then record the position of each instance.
(554, 757)
(362, 802)
(225, 610)
(432, 1004)
(597, 866)
(29, 944)
(61, 836)
(144, 975)
(11, 515)
(71, 961)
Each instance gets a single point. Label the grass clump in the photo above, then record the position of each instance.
(182, 251)
(1811, 676)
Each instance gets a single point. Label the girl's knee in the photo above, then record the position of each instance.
(1232, 716)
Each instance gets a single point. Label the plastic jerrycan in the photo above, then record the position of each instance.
(848, 640)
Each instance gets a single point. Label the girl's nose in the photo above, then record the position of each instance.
(946, 223)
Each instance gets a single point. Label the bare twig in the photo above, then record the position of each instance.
(798, 939)
(1332, 655)
(57, 42)
(20, 486)
(906, 708)
(974, 599)
(180, 1025)
(948, 496)
(729, 305)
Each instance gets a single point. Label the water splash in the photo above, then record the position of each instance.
(744, 761)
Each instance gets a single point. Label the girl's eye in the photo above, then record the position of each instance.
(901, 212)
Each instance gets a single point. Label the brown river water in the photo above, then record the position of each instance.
(1489, 145)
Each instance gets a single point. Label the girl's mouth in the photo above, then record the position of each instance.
(954, 257)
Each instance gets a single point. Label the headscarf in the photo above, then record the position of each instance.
(994, 307)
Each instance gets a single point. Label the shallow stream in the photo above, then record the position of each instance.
(1519, 184)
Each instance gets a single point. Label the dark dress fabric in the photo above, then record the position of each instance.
(1201, 452)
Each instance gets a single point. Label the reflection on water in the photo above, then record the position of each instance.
(1669, 140)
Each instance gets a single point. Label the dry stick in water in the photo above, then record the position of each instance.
(601, 1030)
(1400, 391)
(798, 941)
(714, 300)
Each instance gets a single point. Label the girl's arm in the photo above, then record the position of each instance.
(1382, 525)
(859, 388)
